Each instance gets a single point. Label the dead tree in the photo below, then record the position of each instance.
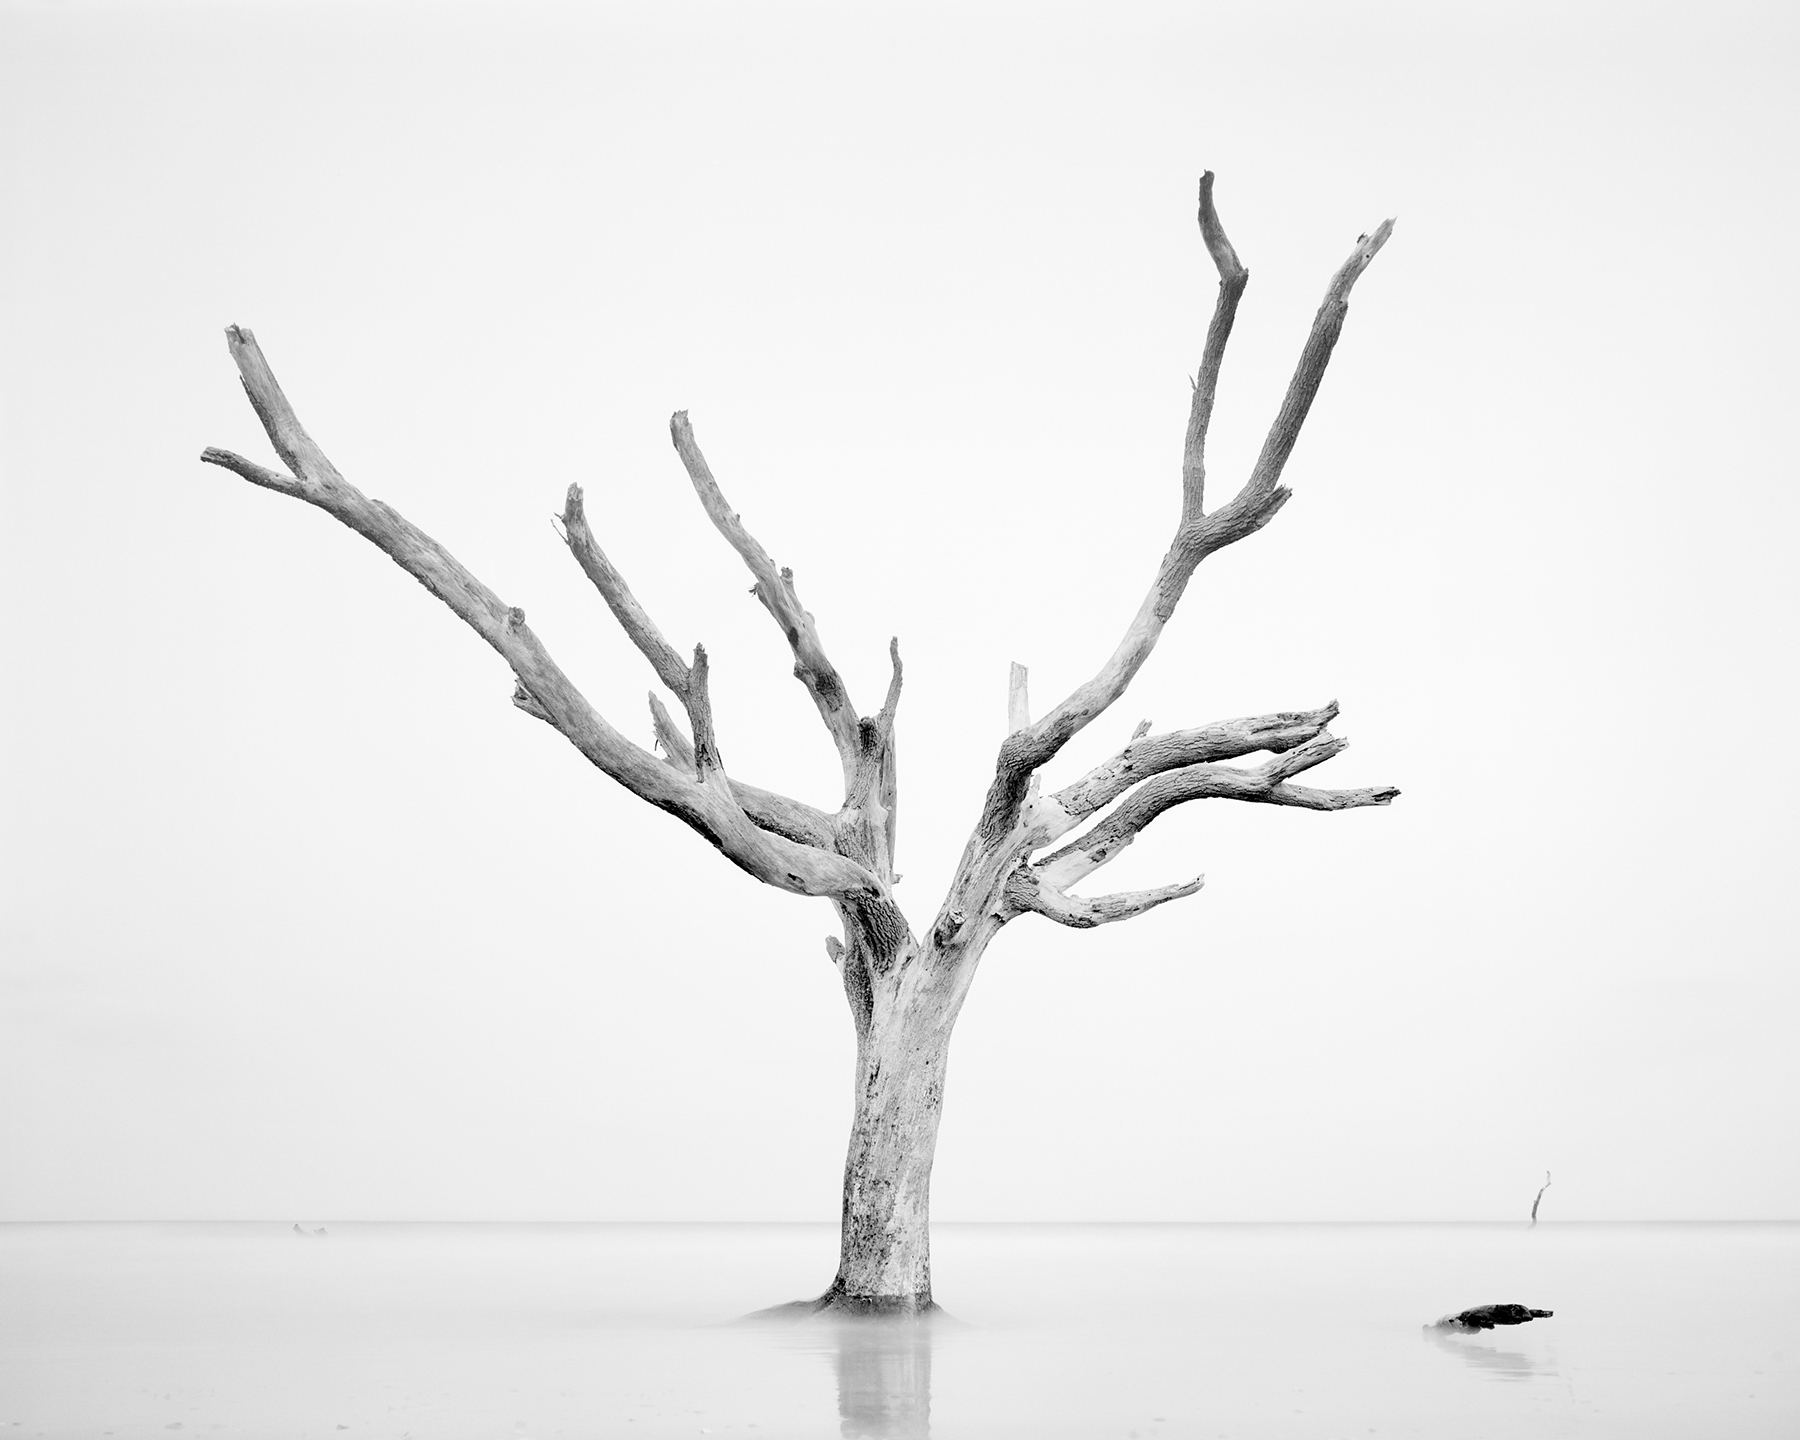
(1029, 848)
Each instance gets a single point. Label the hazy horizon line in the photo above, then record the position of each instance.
(1526, 1223)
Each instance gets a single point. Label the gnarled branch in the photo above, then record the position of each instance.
(1028, 891)
(1148, 755)
(708, 805)
(1267, 784)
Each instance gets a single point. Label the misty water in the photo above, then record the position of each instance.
(429, 1331)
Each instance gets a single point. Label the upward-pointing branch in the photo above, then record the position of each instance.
(1261, 491)
(1233, 277)
(775, 589)
(1198, 535)
(670, 668)
(688, 682)
(770, 811)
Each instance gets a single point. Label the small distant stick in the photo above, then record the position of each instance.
(1540, 1195)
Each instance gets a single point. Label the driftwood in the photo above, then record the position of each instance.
(1486, 1317)
(904, 986)
(1540, 1197)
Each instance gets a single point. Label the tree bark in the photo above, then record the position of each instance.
(884, 1264)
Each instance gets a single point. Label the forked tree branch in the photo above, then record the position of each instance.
(769, 810)
(688, 682)
(775, 589)
(866, 824)
(1267, 784)
(1262, 491)
(1148, 755)
(1198, 535)
(708, 805)
(875, 734)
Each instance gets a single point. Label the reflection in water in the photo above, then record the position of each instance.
(1504, 1364)
(883, 1370)
(883, 1365)
(1080, 1331)
(883, 1378)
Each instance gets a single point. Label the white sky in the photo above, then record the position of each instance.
(304, 920)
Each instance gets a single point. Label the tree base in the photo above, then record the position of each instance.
(837, 1302)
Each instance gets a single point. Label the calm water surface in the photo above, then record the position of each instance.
(428, 1331)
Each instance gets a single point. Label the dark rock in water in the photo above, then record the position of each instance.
(1486, 1317)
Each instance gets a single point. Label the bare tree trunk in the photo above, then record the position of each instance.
(884, 1264)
